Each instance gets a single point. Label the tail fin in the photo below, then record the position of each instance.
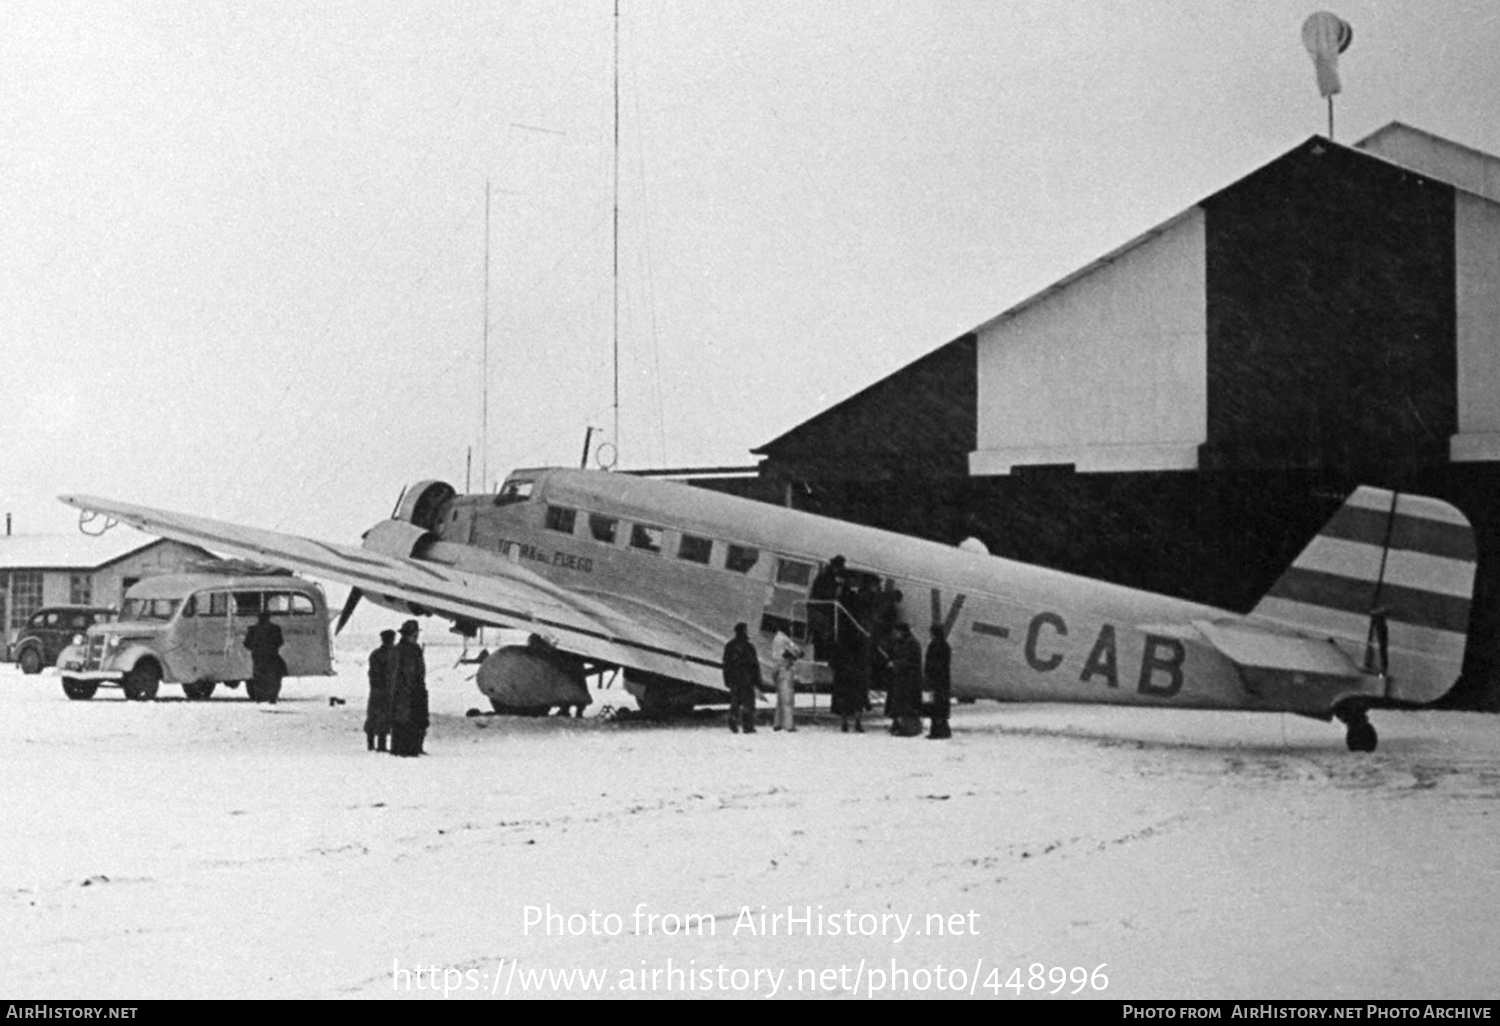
(1390, 578)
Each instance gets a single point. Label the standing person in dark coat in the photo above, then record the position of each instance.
(851, 681)
(883, 620)
(383, 669)
(264, 641)
(742, 678)
(822, 609)
(938, 673)
(409, 695)
(906, 683)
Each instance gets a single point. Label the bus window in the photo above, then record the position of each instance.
(278, 603)
(695, 549)
(561, 518)
(218, 604)
(604, 529)
(302, 605)
(150, 609)
(793, 572)
(247, 603)
(741, 559)
(648, 539)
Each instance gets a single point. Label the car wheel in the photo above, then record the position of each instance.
(198, 692)
(141, 683)
(31, 660)
(79, 690)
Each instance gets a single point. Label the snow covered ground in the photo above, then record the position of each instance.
(223, 849)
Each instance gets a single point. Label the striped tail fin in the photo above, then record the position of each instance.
(1390, 579)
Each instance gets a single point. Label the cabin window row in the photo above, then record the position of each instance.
(691, 548)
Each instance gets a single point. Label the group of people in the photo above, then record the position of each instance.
(857, 630)
(398, 694)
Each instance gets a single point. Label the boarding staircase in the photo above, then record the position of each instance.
(811, 674)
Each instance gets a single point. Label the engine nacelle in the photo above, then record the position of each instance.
(422, 503)
(405, 541)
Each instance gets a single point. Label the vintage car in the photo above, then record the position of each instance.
(189, 629)
(50, 630)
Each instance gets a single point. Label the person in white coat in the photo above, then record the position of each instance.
(785, 652)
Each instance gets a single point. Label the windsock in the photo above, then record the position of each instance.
(1326, 35)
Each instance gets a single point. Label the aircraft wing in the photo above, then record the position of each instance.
(503, 595)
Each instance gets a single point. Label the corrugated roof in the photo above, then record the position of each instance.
(70, 551)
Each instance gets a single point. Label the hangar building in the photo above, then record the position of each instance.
(1184, 413)
(39, 570)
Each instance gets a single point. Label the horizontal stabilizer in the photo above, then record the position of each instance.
(1249, 646)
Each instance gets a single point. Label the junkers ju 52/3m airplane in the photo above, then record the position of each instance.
(614, 571)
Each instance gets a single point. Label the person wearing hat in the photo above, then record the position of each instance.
(409, 695)
(264, 641)
(741, 678)
(905, 695)
(937, 672)
(824, 597)
(383, 668)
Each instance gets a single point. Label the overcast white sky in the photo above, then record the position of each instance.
(243, 243)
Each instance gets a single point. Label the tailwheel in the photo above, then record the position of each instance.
(1360, 732)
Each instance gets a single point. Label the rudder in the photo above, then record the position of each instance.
(1390, 578)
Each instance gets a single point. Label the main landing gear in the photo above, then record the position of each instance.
(1360, 736)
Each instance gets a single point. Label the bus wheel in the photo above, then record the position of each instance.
(141, 683)
(31, 660)
(198, 692)
(78, 690)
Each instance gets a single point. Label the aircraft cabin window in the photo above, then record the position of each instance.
(561, 518)
(741, 559)
(604, 529)
(793, 572)
(695, 549)
(646, 538)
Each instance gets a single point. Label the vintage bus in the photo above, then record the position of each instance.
(189, 629)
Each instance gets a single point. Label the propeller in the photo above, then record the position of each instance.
(349, 605)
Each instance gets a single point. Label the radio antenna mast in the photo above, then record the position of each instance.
(616, 274)
(484, 419)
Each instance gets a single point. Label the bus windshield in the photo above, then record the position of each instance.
(150, 608)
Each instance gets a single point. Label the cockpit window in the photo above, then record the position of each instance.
(514, 491)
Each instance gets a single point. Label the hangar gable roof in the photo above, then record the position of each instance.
(76, 551)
